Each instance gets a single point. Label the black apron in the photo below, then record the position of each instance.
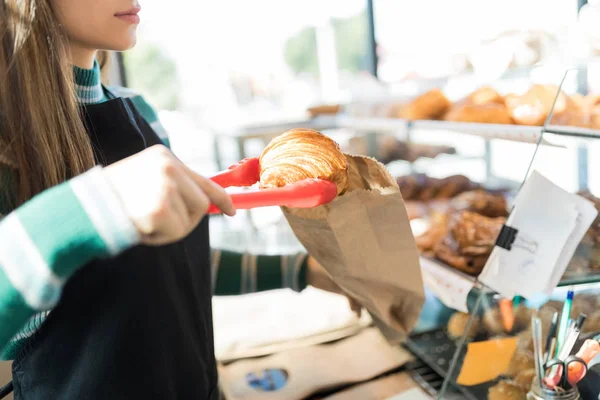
(138, 326)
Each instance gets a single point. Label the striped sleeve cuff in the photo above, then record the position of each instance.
(240, 273)
(44, 241)
(105, 211)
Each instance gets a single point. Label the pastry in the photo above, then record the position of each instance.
(481, 202)
(592, 323)
(523, 317)
(430, 188)
(485, 95)
(520, 361)
(581, 305)
(409, 186)
(525, 378)
(492, 113)
(458, 323)
(437, 230)
(592, 108)
(299, 154)
(469, 241)
(593, 233)
(454, 185)
(327, 109)
(574, 113)
(430, 105)
(492, 321)
(551, 306)
(533, 107)
(424, 188)
(525, 341)
(506, 390)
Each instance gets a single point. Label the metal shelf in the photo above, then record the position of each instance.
(573, 131)
(458, 279)
(515, 133)
(261, 131)
(362, 124)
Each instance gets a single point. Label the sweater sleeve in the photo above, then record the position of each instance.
(43, 242)
(240, 273)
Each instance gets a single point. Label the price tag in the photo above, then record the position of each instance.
(549, 223)
(450, 287)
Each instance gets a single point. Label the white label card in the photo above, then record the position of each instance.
(550, 223)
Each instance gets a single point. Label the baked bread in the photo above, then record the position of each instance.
(430, 105)
(410, 186)
(458, 323)
(525, 378)
(485, 95)
(437, 230)
(525, 340)
(454, 185)
(492, 113)
(482, 202)
(533, 107)
(591, 106)
(485, 105)
(326, 109)
(593, 233)
(520, 361)
(506, 390)
(424, 188)
(492, 321)
(469, 241)
(575, 113)
(523, 317)
(300, 154)
(430, 188)
(592, 323)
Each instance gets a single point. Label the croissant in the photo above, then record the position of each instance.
(300, 154)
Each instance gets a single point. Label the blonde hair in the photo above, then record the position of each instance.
(42, 135)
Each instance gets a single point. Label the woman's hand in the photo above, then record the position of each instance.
(164, 198)
(318, 277)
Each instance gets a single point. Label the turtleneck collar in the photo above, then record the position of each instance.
(88, 85)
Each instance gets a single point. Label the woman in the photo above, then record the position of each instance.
(105, 271)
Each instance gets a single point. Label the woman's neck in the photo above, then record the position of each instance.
(82, 57)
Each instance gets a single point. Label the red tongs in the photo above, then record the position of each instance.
(307, 193)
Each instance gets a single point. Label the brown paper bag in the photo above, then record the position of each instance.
(364, 240)
(312, 369)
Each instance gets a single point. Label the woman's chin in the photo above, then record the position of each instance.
(122, 45)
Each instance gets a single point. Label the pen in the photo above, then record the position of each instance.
(536, 331)
(572, 336)
(564, 320)
(551, 337)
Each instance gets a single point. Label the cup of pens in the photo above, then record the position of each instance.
(539, 392)
(558, 370)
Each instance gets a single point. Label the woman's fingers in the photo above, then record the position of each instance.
(215, 193)
(164, 199)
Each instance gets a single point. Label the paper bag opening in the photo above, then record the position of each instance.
(364, 240)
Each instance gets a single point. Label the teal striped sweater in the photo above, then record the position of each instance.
(88, 222)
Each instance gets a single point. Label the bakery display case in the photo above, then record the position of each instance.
(462, 237)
